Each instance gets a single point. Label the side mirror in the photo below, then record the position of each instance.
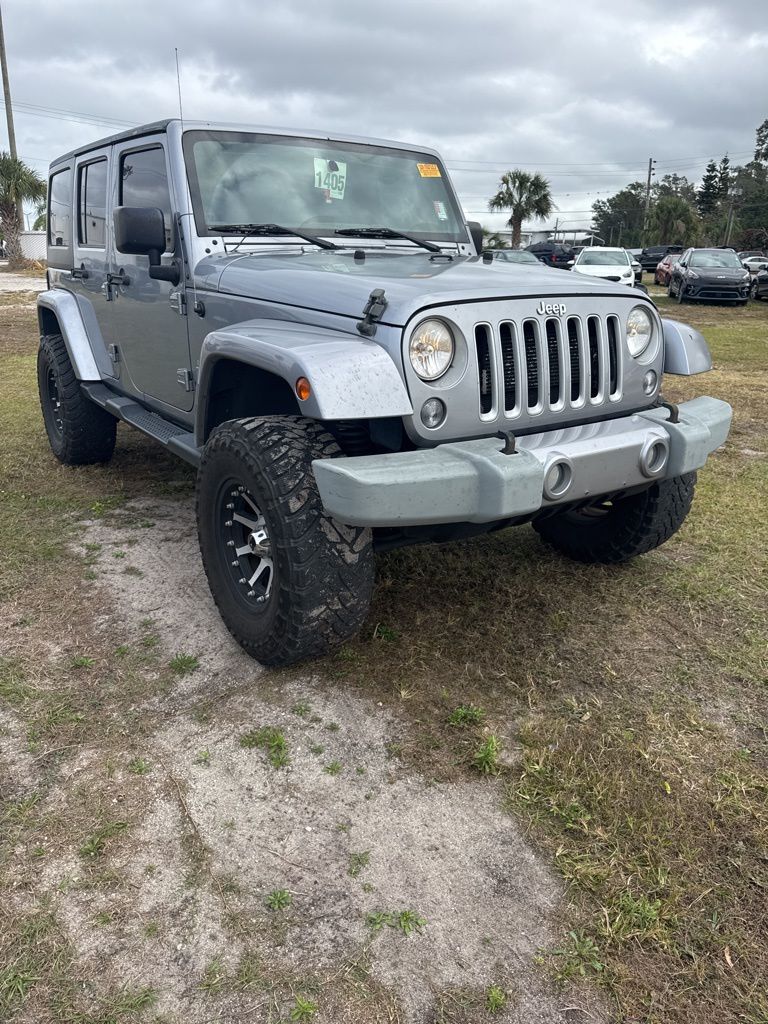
(571, 263)
(764, 266)
(476, 234)
(140, 231)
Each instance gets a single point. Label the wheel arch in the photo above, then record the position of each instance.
(234, 390)
(251, 369)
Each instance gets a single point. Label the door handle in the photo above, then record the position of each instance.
(80, 272)
(120, 278)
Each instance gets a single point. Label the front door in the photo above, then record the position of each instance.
(149, 316)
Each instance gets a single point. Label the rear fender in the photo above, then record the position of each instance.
(57, 310)
(350, 377)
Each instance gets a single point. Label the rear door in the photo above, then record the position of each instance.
(149, 316)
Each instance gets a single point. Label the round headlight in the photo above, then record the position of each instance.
(639, 331)
(431, 349)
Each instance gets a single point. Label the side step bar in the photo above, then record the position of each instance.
(177, 440)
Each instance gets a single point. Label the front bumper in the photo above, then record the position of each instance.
(712, 291)
(475, 482)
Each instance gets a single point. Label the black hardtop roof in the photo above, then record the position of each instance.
(129, 133)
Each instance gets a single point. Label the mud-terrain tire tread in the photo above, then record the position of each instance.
(326, 573)
(636, 525)
(88, 431)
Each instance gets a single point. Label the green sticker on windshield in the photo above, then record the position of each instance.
(331, 177)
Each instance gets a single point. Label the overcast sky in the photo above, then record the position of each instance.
(583, 92)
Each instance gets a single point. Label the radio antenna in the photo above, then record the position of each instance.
(178, 83)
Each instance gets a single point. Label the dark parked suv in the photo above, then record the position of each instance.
(709, 275)
(651, 256)
(554, 254)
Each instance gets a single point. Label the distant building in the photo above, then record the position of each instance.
(33, 245)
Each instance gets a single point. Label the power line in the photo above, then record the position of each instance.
(70, 115)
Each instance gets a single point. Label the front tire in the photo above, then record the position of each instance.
(80, 433)
(614, 532)
(289, 581)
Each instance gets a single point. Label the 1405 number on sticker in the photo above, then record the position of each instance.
(331, 176)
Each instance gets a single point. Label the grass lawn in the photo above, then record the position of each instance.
(618, 713)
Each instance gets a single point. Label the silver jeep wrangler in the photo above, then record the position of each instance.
(311, 323)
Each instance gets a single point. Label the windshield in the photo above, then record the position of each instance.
(716, 258)
(603, 258)
(243, 178)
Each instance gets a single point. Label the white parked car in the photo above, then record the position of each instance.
(607, 263)
(754, 263)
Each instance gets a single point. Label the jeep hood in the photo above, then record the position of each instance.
(336, 282)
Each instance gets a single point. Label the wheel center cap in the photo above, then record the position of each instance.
(258, 542)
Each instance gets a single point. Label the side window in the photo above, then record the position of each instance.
(60, 209)
(92, 203)
(144, 183)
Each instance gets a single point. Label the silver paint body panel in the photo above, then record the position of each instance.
(474, 482)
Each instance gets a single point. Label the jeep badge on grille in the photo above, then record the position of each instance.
(551, 308)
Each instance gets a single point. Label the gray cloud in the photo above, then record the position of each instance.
(585, 93)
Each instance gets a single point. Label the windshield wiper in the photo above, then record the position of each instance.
(261, 230)
(386, 233)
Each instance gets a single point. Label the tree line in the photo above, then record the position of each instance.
(728, 207)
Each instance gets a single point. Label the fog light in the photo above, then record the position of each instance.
(650, 380)
(654, 456)
(432, 413)
(557, 479)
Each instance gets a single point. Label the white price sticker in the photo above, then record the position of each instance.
(331, 177)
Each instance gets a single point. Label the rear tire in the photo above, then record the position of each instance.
(80, 433)
(289, 581)
(624, 529)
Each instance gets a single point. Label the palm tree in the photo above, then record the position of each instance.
(18, 184)
(674, 221)
(524, 195)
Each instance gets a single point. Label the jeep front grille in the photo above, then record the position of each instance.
(553, 365)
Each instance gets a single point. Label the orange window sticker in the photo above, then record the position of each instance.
(429, 170)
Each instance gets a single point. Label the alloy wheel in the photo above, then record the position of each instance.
(247, 547)
(54, 399)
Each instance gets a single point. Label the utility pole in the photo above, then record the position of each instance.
(651, 164)
(729, 225)
(9, 111)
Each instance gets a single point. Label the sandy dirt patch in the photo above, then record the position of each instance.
(344, 828)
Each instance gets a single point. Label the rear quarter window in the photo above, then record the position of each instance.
(60, 209)
(60, 219)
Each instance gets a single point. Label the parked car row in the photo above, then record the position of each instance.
(709, 275)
